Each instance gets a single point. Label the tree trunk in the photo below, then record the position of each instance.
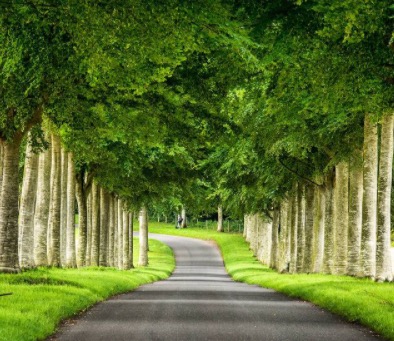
(54, 220)
(131, 242)
(309, 237)
(104, 220)
(319, 229)
(368, 237)
(274, 247)
(83, 217)
(355, 219)
(111, 231)
(63, 206)
(282, 260)
(143, 219)
(247, 227)
(260, 237)
(27, 206)
(126, 241)
(120, 234)
(300, 227)
(293, 233)
(41, 216)
(383, 246)
(254, 234)
(184, 217)
(70, 209)
(9, 209)
(116, 240)
(341, 218)
(220, 219)
(266, 242)
(1, 164)
(89, 229)
(328, 259)
(95, 254)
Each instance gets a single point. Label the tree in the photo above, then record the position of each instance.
(27, 206)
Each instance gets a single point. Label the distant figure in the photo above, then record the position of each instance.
(179, 223)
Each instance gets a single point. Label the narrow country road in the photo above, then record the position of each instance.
(200, 302)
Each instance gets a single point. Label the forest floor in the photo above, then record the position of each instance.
(44, 297)
(357, 300)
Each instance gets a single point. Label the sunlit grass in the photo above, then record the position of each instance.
(358, 300)
(42, 298)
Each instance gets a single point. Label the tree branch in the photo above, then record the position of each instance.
(299, 175)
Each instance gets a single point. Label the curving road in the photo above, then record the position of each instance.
(200, 302)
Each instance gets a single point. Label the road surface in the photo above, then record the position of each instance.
(201, 302)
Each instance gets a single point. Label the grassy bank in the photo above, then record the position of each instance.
(42, 298)
(358, 300)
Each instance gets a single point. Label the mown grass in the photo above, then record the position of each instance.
(358, 300)
(42, 298)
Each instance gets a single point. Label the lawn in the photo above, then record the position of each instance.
(42, 298)
(358, 300)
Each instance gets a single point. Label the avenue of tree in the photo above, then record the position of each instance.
(280, 112)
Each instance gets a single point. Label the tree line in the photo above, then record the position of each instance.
(280, 110)
(341, 226)
(311, 164)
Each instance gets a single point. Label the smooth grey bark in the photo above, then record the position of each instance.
(54, 214)
(27, 207)
(143, 236)
(82, 190)
(266, 241)
(275, 241)
(70, 260)
(289, 230)
(293, 232)
(104, 221)
(247, 227)
(328, 259)
(116, 237)
(9, 209)
(95, 251)
(89, 229)
(120, 234)
(309, 237)
(259, 237)
(41, 216)
(131, 241)
(369, 228)
(111, 231)
(282, 236)
(355, 219)
(300, 227)
(220, 219)
(383, 245)
(341, 218)
(63, 206)
(254, 234)
(1, 164)
(319, 222)
(126, 241)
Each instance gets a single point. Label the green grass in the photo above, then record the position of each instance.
(358, 300)
(44, 297)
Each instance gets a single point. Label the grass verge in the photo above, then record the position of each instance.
(42, 298)
(358, 300)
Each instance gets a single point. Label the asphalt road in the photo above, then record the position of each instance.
(200, 302)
